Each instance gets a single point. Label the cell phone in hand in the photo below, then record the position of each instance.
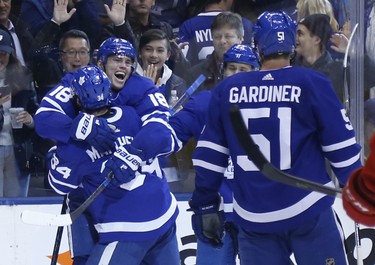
(5, 90)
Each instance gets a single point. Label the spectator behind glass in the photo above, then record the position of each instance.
(141, 19)
(313, 33)
(171, 11)
(22, 40)
(227, 29)
(50, 19)
(197, 30)
(15, 144)
(50, 66)
(310, 7)
(154, 52)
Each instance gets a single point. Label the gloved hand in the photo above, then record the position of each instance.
(358, 195)
(93, 130)
(124, 164)
(208, 224)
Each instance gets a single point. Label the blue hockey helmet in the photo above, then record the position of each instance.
(239, 53)
(275, 33)
(92, 86)
(116, 46)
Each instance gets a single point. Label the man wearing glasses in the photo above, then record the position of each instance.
(74, 49)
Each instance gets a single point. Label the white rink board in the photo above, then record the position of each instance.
(23, 244)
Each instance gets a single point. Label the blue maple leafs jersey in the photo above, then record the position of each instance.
(140, 210)
(189, 123)
(197, 31)
(54, 117)
(297, 120)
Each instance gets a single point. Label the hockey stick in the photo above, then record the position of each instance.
(345, 64)
(188, 93)
(347, 108)
(48, 219)
(265, 167)
(59, 232)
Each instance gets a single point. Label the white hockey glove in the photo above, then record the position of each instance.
(93, 130)
(124, 163)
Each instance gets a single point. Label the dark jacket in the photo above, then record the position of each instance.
(23, 95)
(209, 67)
(174, 83)
(333, 69)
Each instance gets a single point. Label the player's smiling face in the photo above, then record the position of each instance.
(306, 43)
(223, 39)
(156, 53)
(118, 69)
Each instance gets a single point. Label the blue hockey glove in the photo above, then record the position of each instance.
(124, 163)
(94, 131)
(208, 224)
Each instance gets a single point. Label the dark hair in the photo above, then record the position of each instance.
(151, 35)
(229, 19)
(73, 34)
(17, 76)
(318, 25)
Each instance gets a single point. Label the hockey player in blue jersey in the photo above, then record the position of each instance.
(189, 122)
(57, 119)
(297, 120)
(135, 216)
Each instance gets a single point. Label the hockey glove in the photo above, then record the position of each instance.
(124, 163)
(208, 224)
(94, 131)
(359, 192)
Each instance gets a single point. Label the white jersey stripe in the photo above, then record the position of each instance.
(347, 163)
(338, 146)
(209, 166)
(213, 146)
(282, 214)
(107, 253)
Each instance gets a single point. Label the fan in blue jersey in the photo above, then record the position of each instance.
(189, 122)
(135, 216)
(58, 118)
(294, 116)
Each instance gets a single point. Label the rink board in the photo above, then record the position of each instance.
(23, 244)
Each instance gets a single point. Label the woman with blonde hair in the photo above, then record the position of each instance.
(309, 7)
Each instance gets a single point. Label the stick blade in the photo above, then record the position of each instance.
(45, 219)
